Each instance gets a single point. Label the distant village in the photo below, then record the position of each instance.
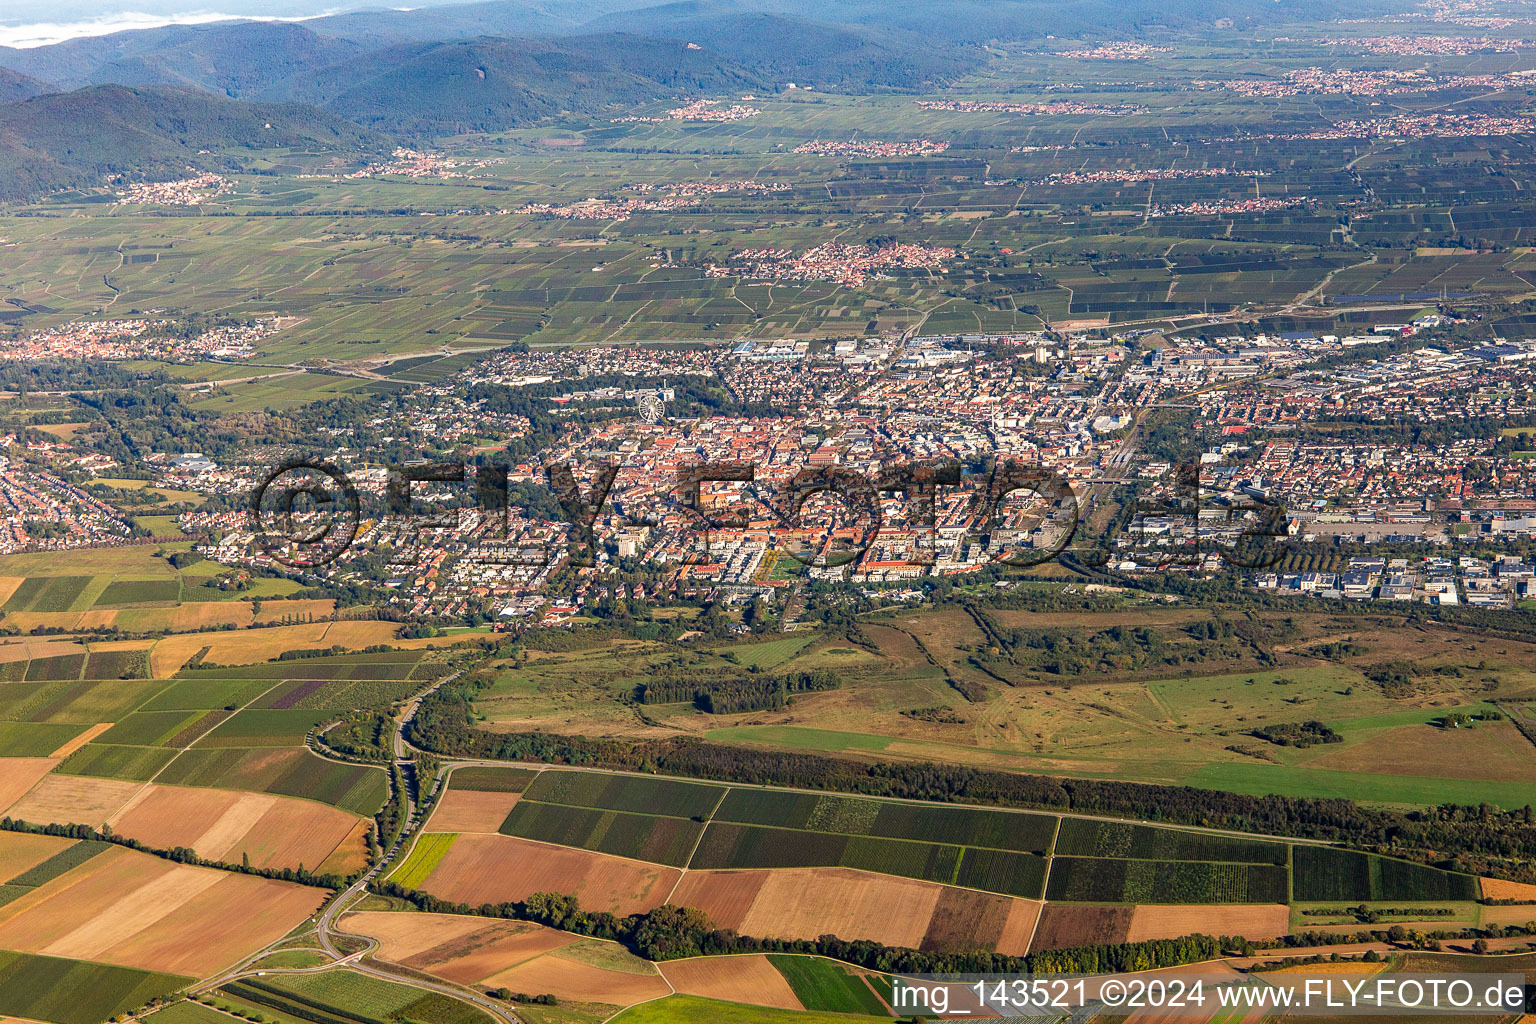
(142, 338)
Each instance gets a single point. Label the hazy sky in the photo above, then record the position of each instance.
(38, 22)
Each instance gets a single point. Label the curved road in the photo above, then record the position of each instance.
(325, 923)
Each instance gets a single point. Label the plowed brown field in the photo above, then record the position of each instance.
(1499, 889)
(802, 903)
(1169, 921)
(73, 800)
(1063, 925)
(465, 810)
(734, 979)
(19, 774)
(136, 910)
(462, 949)
(495, 869)
(725, 896)
(274, 831)
(569, 979)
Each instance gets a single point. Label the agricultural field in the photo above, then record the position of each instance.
(479, 799)
(148, 689)
(825, 985)
(424, 859)
(360, 996)
(136, 589)
(750, 979)
(360, 789)
(625, 793)
(86, 702)
(1029, 833)
(243, 647)
(1098, 880)
(264, 728)
(377, 666)
(480, 869)
(825, 837)
(802, 903)
(466, 950)
(1327, 874)
(257, 828)
(135, 764)
(841, 864)
(33, 739)
(661, 840)
(111, 905)
(72, 799)
(597, 974)
(225, 777)
(1083, 837)
(66, 991)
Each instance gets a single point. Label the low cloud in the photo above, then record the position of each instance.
(47, 33)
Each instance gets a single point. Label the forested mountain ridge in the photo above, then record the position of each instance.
(64, 140)
(490, 84)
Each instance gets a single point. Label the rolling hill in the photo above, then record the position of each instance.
(781, 48)
(74, 139)
(16, 86)
(493, 84)
(238, 59)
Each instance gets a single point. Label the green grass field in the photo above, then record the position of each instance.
(825, 985)
(73, 991)
(357, 996)
(34, 739)
(108, 761)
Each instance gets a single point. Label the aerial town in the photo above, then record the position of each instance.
(638, 512)
(1060, 403)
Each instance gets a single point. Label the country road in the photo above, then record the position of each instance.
(338, 905)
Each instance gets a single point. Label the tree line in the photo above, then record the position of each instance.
(671, 932)
(754, 691)
(178, 854)
(1479, 840)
